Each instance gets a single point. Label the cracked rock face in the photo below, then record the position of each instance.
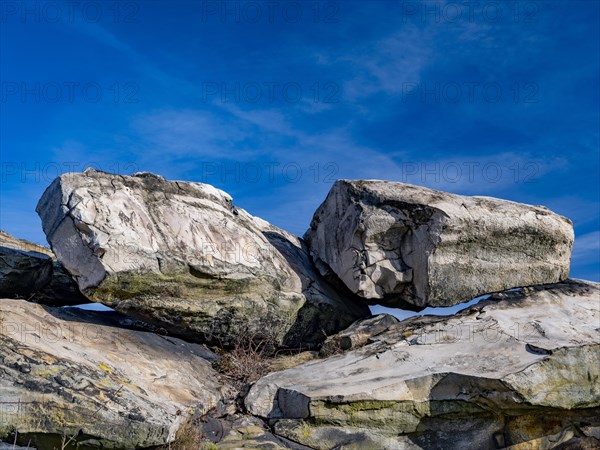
(411, 247)
(181, 256)
(518, 370)
(110, 387)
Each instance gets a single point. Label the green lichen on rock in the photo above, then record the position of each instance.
(207, 309)
(180, 256)
(216, 309)
(388, 416)
(125, 389)
(126, 286)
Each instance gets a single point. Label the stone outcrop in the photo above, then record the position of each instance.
(357, 334)
(519, 370)
(181, 256)
(109, 387)
(30, 271)
(407, 246)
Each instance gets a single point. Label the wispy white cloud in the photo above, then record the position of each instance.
(267, 120)
(580, 210)
(385, 65)
(586, 248)
(136, 59)
(173, 134)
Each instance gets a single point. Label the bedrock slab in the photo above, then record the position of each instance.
(408, 246)
(520, 367)
(109, 387)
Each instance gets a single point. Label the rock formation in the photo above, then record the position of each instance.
(519, 369)
(181, 256)
(30, 271)
(109, 387)
(407, 246)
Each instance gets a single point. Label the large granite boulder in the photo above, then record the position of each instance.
(407, 246)
(30, 271)
(519, 370)
(182, 256)
(109, 387)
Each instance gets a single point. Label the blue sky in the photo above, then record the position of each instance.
(273, 101)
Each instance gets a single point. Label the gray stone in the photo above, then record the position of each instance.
(30, 271)
(251, 432)
(120, 388)
(325, 437)
(181, 256)
(408, 246)
(357, 335)
(520, 367)
(23, 273)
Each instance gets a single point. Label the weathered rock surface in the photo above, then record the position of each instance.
(412, 247)
(519, 370)
(182, 256)
(249, 432)
(28, 270)
(8, 240)
(357, 334)
(110, 387)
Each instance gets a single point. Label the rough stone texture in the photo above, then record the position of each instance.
(114, 319)
(251, 432)
(23, 273)
(558, 433)
(357, 334)
(8, 240)
(182, 256)
(347, 437)
(29, 270)
(283, 362)
(112, 387)
(412, 247)
(519, 370)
